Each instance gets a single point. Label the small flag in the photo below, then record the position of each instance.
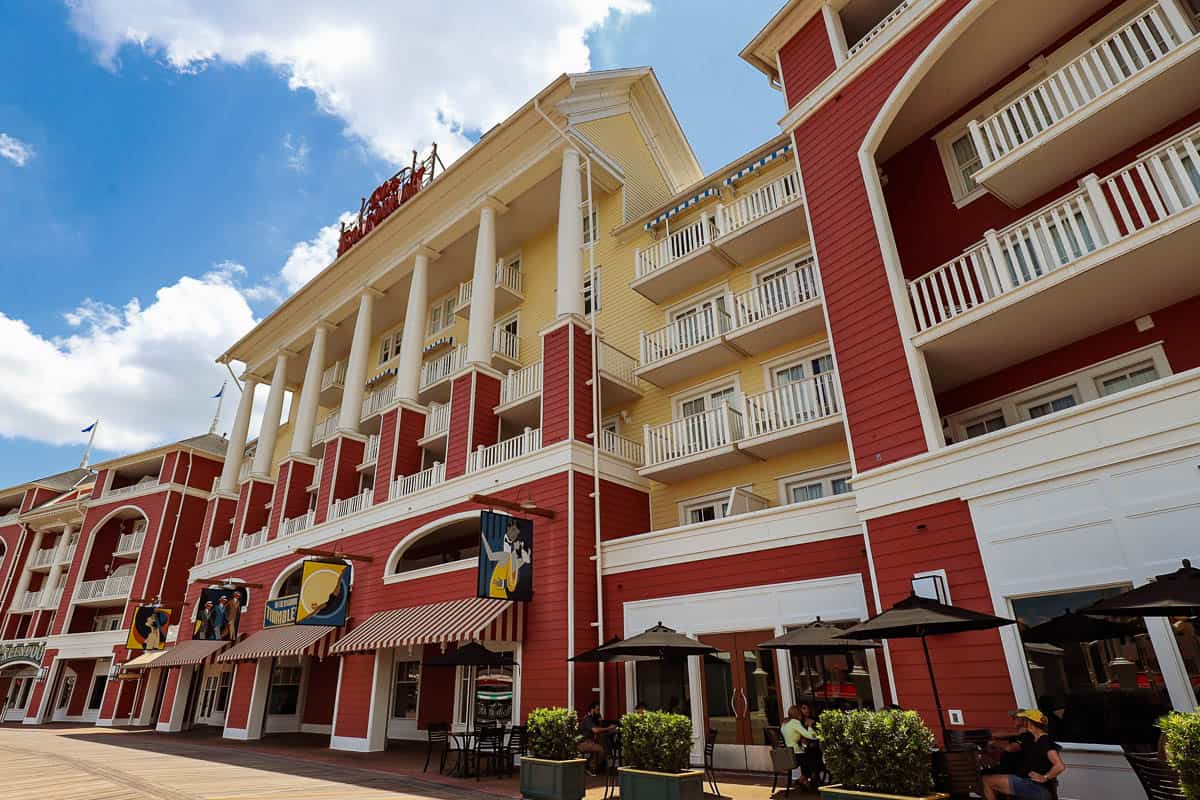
(220, 392)
(89, 427)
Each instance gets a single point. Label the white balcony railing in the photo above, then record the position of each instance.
(760, 202)
(371, 452)
(130, 542)
(506, 343)
(317, 469)
(296, 524)
(507, 450)
(42, 558)
(350, 505)
(26, 601)
(617, 363)
(522, 383)
(693, 435)
(9, 517)
(443, 366)
(142, 485)
(437, 421)
(1131, 50)
(325, 428)
(622, 448)
(776, 295)
(112, 586)
(675, 245)
(248, 540)
(216, 551)
(333, 376)
(247, 466)
(879, 28)
(508, 276)
(378, 400)
(50, 598)
(1158, 186)
(685, 332)
(410, 484)
(69, 552)
(792, 404)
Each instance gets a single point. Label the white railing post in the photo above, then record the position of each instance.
(981, 148)
(1178, 22)
(1100, 207)
(997, 253)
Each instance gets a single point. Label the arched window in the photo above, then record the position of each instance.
(454, 541)
(291, 584)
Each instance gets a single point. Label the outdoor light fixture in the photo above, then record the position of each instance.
(42, 674)
(113, 669)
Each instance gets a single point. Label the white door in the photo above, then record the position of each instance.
(214, 696)
(702, 429)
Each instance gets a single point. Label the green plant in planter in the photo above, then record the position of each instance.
(886, 752)
(657, 741)
(552, 733)
(1183, 749)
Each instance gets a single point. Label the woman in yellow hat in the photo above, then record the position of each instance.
(1039, 766)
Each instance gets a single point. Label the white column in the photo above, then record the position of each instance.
(356, 364)
(483, 291)
(265, 451)
(408, 375)
(310, 390)
(570, 238)
(237, 439)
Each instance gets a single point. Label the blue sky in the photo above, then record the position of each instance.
(192, 172)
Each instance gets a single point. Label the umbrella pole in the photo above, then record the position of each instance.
(937, 700)
(811, 661)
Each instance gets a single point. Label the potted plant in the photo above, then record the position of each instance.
(1182, 735)
(656, 747)
(553, 769)
(882, 755)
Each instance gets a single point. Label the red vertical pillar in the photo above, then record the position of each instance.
(474, 396)
(339, 471)
(400, 431)
(290, 499)
(566, 388)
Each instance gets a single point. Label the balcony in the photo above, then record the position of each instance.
(688, 346)
(434, 374)
(130, 544)
(782, 309)
(694, 445)
(507, 450)
(215, 551)
(619, 447)
(325, 429)
(756, 223)
(619, 383)
(350, 505)
(26, 601)
(316, 478)
(292, 526)
(411, 484)
(508, 290)
(371, 452)
(145, 484)
(1132, 83)
(248, 465)
(793, 416)
(379, 400)
(878, 29)
(521, 395)
(332, 381)
(437, 421)
(1111, 251)
(103, 590)
(248, 540)
(42, 559)
(10, 517)
(51, 598)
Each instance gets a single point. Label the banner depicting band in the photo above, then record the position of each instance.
(218, 613)
(505, 557)
(323, 599)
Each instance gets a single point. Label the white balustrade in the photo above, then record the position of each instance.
(134, 488)
(247, 465)
(248, 540)
(333, 376)
(1158, 186)
(437, 421)
(371, 452)
(378, 400)
(622, 448)
(26, 601)
(50, 598)
(684, 332)
(350, 505)
(776, 295)
(506, 343)
(792, 404)
(325, 428)
(617, 363)
(443, 366)
(508, 276)
(693, 435)
(758, 203)
(69, 552)
(42, 558)
(879, 28)
(216, 551)
(507, 450)
(410, 484)
(317, 469)
(10, 517)
(112, 586)
(675, 245)
(1101, 69)
(131, 542)
(522, 383)
(296, 524)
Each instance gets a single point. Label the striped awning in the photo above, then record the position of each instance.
(685, 205)
(379, 376)
(437, 623)
(146, 659)
(193, 651)
(762, 162)
(286, 640)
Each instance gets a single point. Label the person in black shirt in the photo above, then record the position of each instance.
(1035, 758)
(592, 743)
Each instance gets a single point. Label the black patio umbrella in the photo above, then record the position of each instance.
(1176, 594)
(658, 642)
(918, 618)
(817, 639)
(598, 655)
(470, 655)
(1072, 627)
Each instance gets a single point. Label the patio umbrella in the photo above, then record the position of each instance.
(598, 655)
(1176, 594)
(918, 618)
(658, 642)
(1069, 628)
(816, 639)
(470, 655)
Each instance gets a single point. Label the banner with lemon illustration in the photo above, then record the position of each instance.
(324, 593)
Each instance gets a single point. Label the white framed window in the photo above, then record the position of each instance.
(389, 347)
(704, 509)
(441, 314)
(591, 227)
(406, 689)
(798, 365)
(992, 421)
(285, 686)
(700, 318)
(1048, 404)
(961, 161)
(106, 622)
(707, 400)
(591, 299)
(1127, 378)
(815, 484)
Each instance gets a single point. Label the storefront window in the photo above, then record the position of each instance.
(226, 681)
(97, 695)
(663, 686)
(1099, 691)
(1188, 638)
(493, 695)
(408, 683)
(833, 681)
(285, 688)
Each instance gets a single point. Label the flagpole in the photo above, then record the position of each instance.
(217, 416)
(88, 452)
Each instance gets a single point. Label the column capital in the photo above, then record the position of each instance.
(427, 251)
(286, 352)
(491, 201)
(371, 291)
(324, 324)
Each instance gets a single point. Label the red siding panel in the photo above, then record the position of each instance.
(239, 696)
(806, 60)
(354, 696)
(556, 385)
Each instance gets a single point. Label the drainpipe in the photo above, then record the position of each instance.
(187, 481)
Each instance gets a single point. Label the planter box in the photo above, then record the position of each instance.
(542, 779)
(836, 792)
(640, 784)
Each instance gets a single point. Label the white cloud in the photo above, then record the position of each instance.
(309, 258)
(147, 372)
(297, 153)
(15, 150)
(399, 74)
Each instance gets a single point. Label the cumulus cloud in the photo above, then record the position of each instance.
(309, 258)
(15, 150)
(400, 75)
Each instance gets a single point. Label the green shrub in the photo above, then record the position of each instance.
(887, 752)
(658, 741)
(1183, 749)
(553, 733)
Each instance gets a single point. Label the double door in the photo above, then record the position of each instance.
(741, 698)
(214, 696)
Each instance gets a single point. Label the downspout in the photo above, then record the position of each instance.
(187, 481)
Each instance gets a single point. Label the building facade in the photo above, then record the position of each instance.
(939, 335)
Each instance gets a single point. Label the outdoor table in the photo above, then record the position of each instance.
(466, 750)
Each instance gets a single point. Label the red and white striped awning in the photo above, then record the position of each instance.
(192, 651)
(288, 640)
(437, 623)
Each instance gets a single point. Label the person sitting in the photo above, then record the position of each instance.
(1038, 768)
(592, 743)
(640, 708)
(799, 733)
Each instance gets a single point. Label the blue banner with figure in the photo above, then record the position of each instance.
(505, 557)
(281, 611)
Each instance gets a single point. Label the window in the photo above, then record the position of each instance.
(591, 228)
(840, 485)
(407, 685)
(699, 323)
(1099, 691)
(801, 492)
(814, 485)
(993, 422)
(389, 348)
(708, 401)
(97, 694)
(706, 511)
(225, 683)
(1128, 378)
(1193, 8)
(435, 320)
(441, 314)
(485, 694)
(285, 687)
(798, 370)
(106, 622)
(836, 681)
(588, 296)
(664, 686)
(1051, 404)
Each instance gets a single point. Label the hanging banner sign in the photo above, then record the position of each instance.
(281, 611)
(324, 593)
(218, 613)
(505, 557)
(149, 628)
(22, 651)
